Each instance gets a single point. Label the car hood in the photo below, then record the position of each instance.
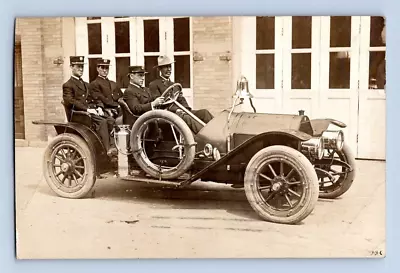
(218, 129)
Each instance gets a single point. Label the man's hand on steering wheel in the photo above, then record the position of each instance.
(157, 102)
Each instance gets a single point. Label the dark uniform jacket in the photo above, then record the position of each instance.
(77, 94)
(138, 100)
(107, 91)
(158, 86)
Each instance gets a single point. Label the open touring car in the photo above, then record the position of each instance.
(283, 162)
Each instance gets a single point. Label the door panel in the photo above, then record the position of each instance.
(179, 45)
(372, 112)
(261, 52)
(301, 51)
(340, 39)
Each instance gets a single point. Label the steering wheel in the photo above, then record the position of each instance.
(170, 95)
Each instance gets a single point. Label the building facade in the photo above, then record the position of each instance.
(328, 66)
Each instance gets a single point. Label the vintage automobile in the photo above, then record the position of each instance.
(283, 162)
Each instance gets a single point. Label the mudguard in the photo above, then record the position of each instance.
(320, 125)
(295, 135)
(91, 138)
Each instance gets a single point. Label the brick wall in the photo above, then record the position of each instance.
(19, 132)
(33, 77)
(212, 38)
(53, 73)
(41, 43)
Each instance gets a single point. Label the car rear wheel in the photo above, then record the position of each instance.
(68, 166)
(281, 185)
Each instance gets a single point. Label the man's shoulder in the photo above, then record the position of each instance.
(155, 82)
(68, 83)
(130, 89)
(96, 81)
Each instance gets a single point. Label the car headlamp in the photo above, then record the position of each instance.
(313, 147)
(333, 139)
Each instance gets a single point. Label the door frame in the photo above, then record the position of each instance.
(372, 118)
(329, 95)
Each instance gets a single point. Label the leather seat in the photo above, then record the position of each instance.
(127, 116)
(77, 116)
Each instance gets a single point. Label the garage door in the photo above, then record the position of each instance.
(316, 64)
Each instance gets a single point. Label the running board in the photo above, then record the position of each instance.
(151, 180)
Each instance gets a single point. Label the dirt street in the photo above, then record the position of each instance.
(124, 219)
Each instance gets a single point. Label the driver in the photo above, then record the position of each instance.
(158, 86)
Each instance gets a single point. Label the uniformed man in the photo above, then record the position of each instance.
(106, 90)
(159, 85)
(78, 96)
(138, 98)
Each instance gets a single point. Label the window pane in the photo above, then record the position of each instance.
(377, 24)
(301, 31)
(339, 70)
(121, 16)
(94, 38)
(340, 31)
(93, 18)
(151, 36)
(301, 71)
(182, 70)
(265, 36)
(377, 70)
(92, 69)
(122, 68)
(265, 64)
(122, 37)
(181, 34)
(149, 63)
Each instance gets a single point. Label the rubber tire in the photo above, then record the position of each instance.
(88, 159)
(187, 134)
(348, 181)
(306, 169)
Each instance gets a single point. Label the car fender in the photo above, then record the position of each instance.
(295, 135)
(94, 142)
(320, 125)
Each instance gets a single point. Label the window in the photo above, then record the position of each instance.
(340, 48)
(92, 69)
(301, 52)
(182, 40)
(122, 68)
(265, 52)
(94, 38)
(377, 53)
(151, 35)
(122, 44)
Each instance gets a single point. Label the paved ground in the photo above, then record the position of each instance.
(128, 220)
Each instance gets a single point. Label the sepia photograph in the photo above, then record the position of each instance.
(200, 137)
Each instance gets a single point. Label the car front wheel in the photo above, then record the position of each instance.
(281, 185)
(336, 178)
